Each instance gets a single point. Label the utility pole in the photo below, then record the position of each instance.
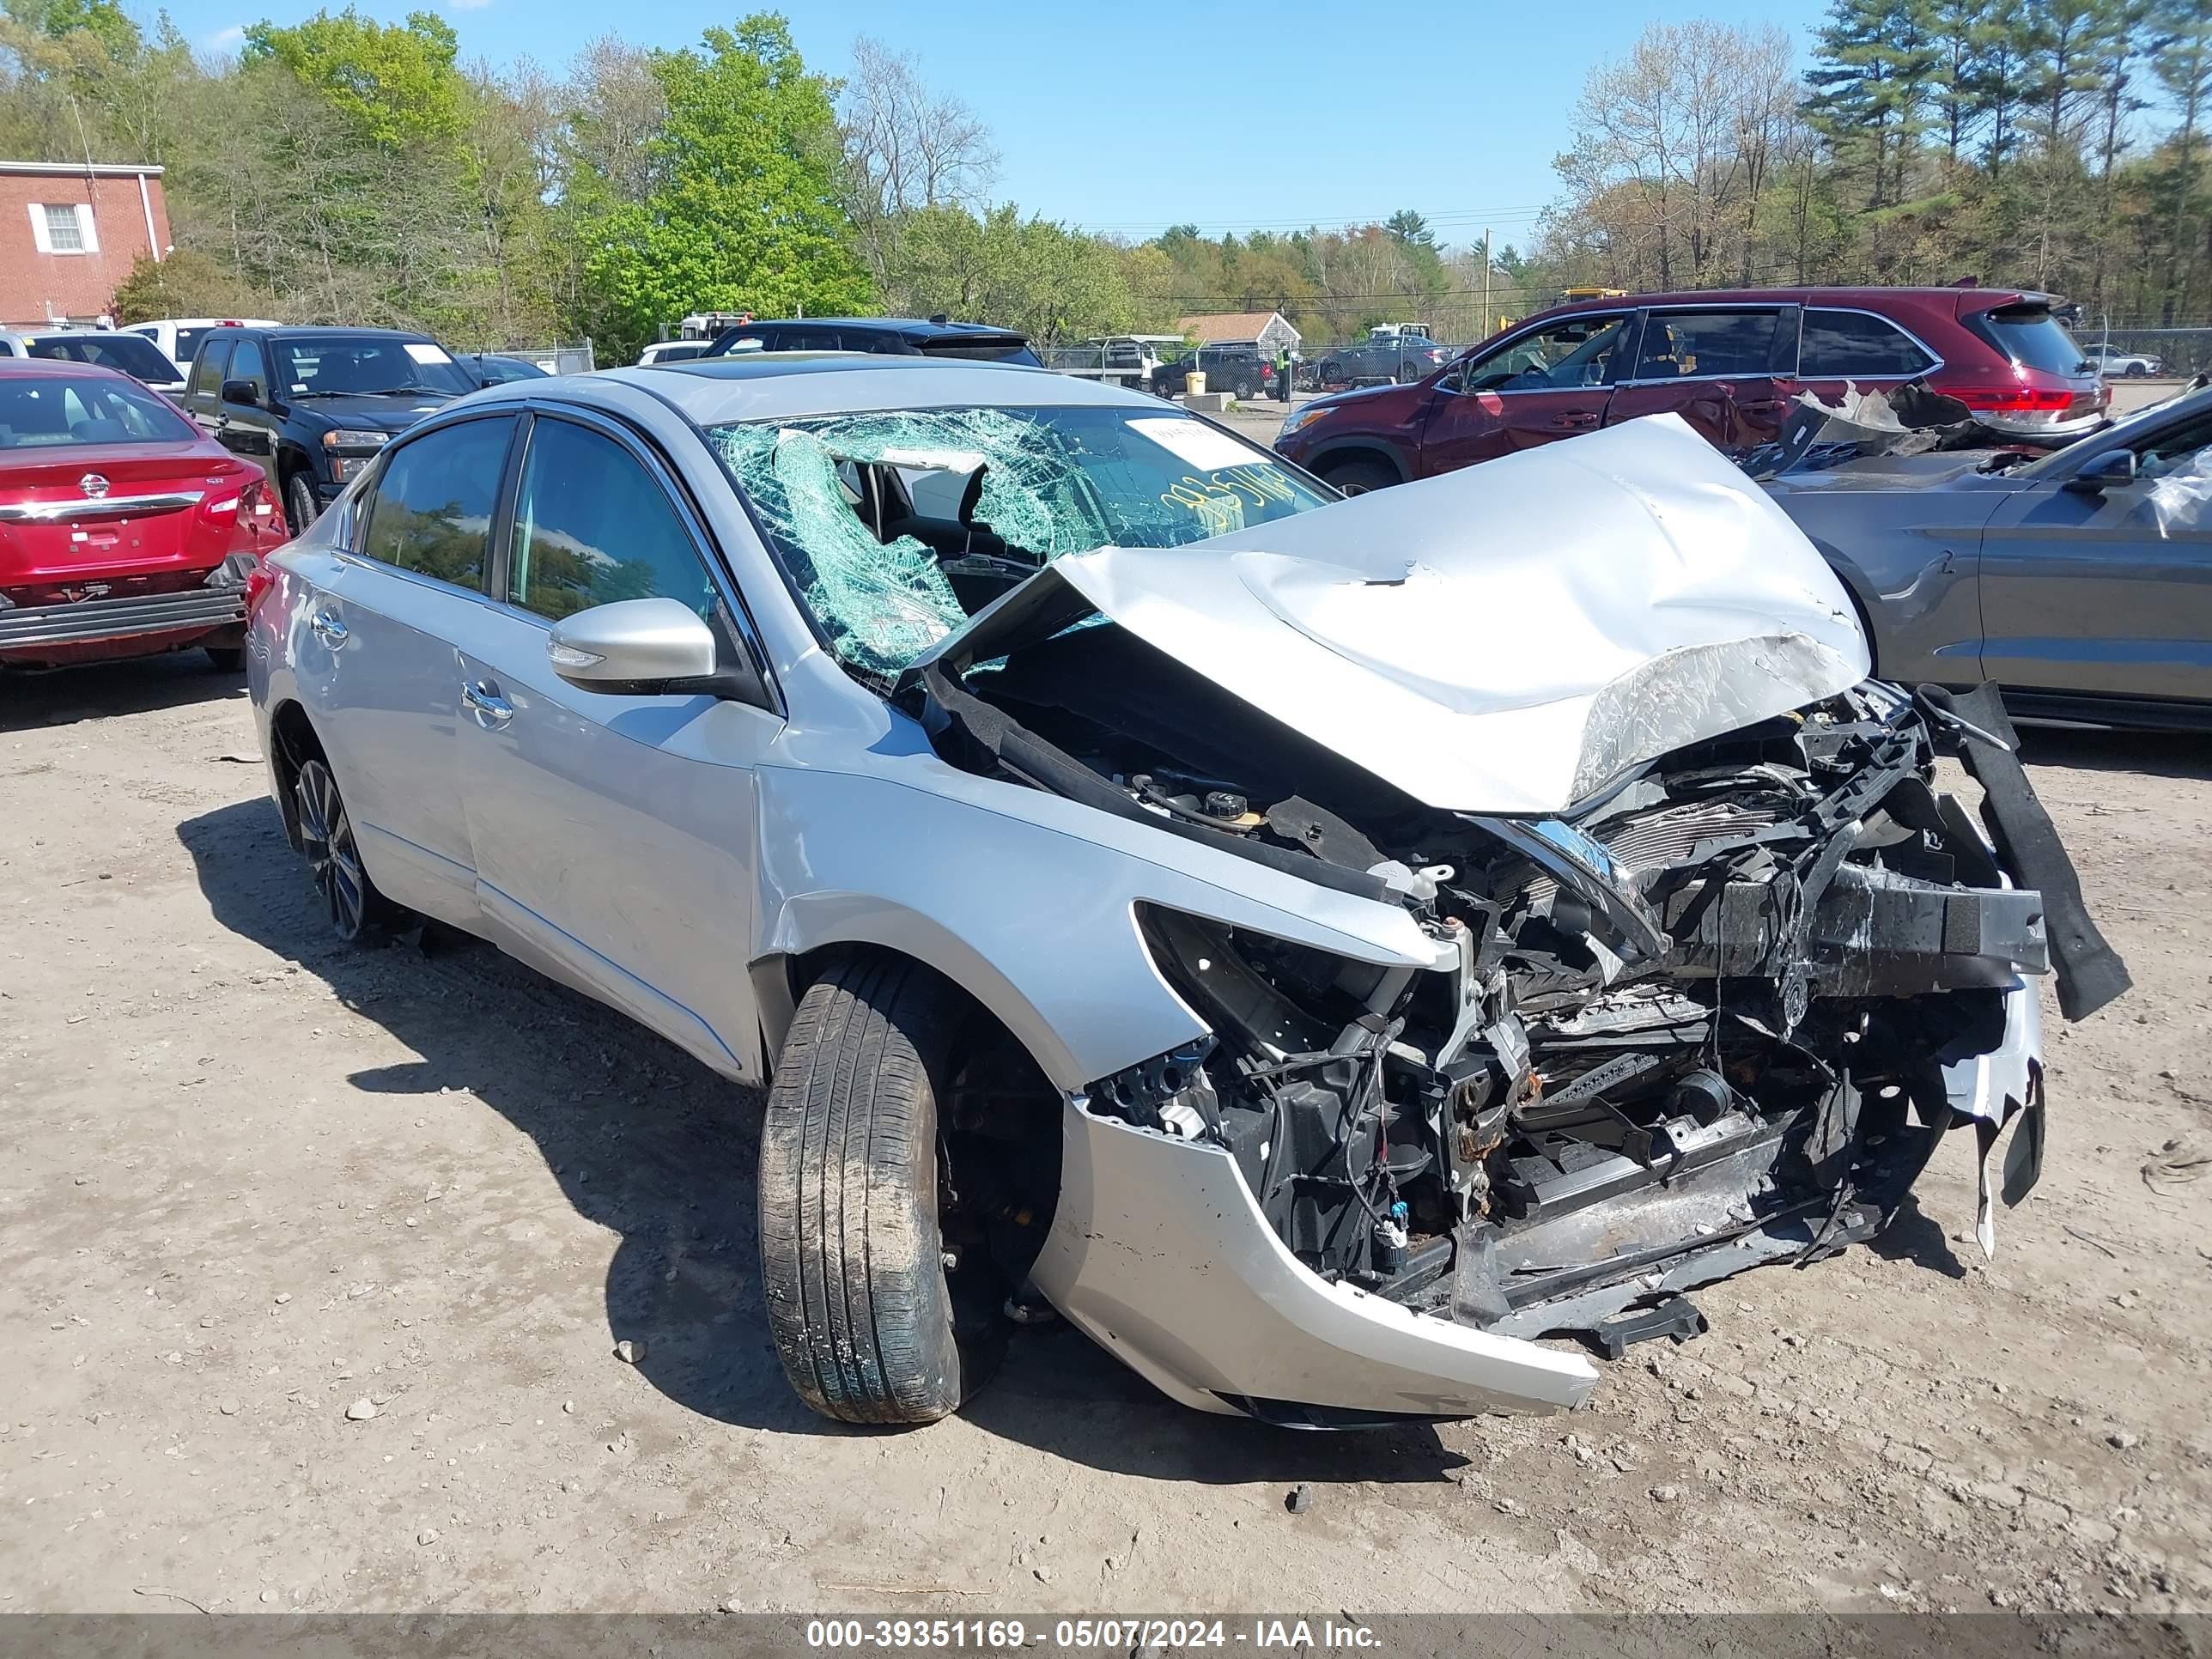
(1483, 333)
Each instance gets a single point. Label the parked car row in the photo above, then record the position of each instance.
(861, 662)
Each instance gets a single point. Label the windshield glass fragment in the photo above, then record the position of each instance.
(896, 526)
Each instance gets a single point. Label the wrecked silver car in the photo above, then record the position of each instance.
(1319, 948)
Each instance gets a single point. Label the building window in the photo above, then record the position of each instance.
(64, 228)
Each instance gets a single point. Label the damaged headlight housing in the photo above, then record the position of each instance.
(1271, 997)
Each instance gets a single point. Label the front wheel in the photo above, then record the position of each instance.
(853, 1265)
(2137, 372)
(1357, 477)
(300, 504)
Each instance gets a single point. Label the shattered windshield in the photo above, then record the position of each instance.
(894, 527)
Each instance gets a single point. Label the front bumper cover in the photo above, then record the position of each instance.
(1158, 1251)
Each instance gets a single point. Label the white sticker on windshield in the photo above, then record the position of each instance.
(1197, 444)
(933, 460)
(422, 353)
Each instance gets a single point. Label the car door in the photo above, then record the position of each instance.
(202, 386)
(2106, 593)
(613, 835)
(377, 662)
(1550, 382)
(1718, 366)
(248, 430)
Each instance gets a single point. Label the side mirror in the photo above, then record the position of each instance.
(241, 392)
(2113, 469)
(638, 647)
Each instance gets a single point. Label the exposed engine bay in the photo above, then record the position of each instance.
(1712, 1016)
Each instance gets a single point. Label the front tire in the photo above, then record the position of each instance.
(852, 1261)
(300, 504)
(1357, 477)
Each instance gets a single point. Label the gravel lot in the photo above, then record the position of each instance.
(254, 1179)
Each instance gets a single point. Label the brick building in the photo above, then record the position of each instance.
(69, 234)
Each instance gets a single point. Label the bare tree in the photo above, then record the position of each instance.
(906, 148)
(615, 106)
(1673, 145)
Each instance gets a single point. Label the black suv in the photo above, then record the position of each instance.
(313, 406)
(896, 337)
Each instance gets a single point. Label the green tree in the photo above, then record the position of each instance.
(1872, 84)
(744, 212)
(395, 82)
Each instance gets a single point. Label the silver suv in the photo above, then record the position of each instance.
(1317, 947)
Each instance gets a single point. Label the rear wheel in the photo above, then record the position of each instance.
(860, 1295)
(1357, 477)
(300, 504)
(355, 909)
(1243, 390)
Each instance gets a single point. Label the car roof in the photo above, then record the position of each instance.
(1864, 298)
(310, 330)
(26, 366)
(761, 386)
(910, 325)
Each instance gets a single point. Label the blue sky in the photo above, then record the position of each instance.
(1460, 117)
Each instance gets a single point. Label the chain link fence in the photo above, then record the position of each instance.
(2182, 351)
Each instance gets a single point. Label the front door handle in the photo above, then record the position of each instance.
(484, 702)
(1576, 422)
(328, 629)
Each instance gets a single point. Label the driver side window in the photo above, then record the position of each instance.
(2177, 450)
(1576, 351)
(591, 527)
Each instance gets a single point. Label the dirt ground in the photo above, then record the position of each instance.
(253, 1177)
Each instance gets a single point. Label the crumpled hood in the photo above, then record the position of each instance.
(1508, 638)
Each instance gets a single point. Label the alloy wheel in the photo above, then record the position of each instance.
(333, 860)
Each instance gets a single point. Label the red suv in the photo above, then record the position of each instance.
(1728, 363)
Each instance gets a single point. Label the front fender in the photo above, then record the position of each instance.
(1026, 901)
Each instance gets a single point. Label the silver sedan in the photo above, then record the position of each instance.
(1319, 948)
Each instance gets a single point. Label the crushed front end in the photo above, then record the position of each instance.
(1718, 1015)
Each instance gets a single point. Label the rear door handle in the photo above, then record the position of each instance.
(490, 707)
(328, 629)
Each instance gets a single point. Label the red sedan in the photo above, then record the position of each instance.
(124, 530)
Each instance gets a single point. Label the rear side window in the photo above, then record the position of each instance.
(1681, 343)
(1848, 345)
(208, 367)
(139, 358)
(188, 340)
(433, 503)
(982, 351)
(591, 527)
(2031, 336)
